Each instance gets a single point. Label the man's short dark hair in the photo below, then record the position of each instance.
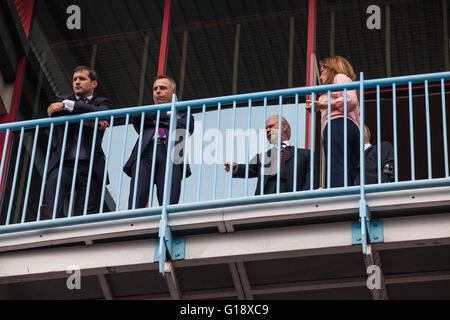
(163, 76)
(92, 73)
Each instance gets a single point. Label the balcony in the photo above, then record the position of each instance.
(220, 240)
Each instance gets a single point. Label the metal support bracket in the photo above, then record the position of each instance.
(167, 247)
(374, 230)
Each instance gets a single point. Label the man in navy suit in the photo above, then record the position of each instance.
(371, 162)
(83, 100)
(269, 178)
(163, 89)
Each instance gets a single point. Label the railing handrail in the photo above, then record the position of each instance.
(224, 100)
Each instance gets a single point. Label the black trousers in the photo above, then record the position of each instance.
(337, 151)
(144, 179)
(80, 188)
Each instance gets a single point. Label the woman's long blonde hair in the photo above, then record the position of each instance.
(336, 65)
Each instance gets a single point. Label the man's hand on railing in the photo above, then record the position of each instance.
(54, 107)
(227, 166)
(102, 124)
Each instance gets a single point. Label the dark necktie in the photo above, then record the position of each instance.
(284, 153)
(73, 145)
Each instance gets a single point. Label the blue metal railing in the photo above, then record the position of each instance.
(254, 102)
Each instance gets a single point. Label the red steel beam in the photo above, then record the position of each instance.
(164, 38)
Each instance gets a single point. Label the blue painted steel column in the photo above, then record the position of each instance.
(165, 236)
(313, 141)
(362, 166)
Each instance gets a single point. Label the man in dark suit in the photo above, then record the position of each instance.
(164, 88)
(83, 100)
(286, 163)
(371, 164)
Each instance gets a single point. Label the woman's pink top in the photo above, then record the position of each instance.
(337, 111)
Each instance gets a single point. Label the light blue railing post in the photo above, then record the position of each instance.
(124, 148)
(279, 133)
(378, 135)
(217, 151)
(91, 165)
(155, 147)
(165, 235)
(427, 112)
(44, 173)
(185, 151)
(60, 170)
(263, 152)
(105, 173)
(247, 145)
(313, 142)
(394, 120)
(75, 168)
(362, 166)
(294, 182)
(16, 171)
(444, 128)
(30, 173)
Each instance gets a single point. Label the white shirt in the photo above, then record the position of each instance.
(366, 146)
(70, 104)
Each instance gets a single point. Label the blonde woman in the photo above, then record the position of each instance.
(334, 70)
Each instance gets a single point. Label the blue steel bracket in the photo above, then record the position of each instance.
(176, 248)
(374, 231)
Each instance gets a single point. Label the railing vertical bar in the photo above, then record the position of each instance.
(138, 160)
(91, 165)
(44, 173)
(217, 150)
(411, 131)
(61, 165)
(230, 177)
(186, 148)
(75, 168)
(105, 174)
(362, 166)
(30, 174)
(263, 152)
(201, 148)
(124, 147)
(378, 135)
(345, 140)
(5, 147)
(427, 111)
(444, 127)
(155, 146)
(394, 120)
(279, 133)
(294, 182)
(247, 144)
(313, 141)
(329, 142)
(16, 170)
